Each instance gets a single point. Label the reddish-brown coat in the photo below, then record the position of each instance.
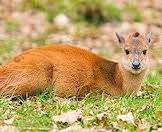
(69, 70)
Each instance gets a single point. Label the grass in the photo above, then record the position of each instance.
(6, 47)
(11, 26)
(133, 11)
(35, 113)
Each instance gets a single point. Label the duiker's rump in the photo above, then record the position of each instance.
(73, 71)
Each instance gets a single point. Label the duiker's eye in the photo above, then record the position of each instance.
(144, 52)
(127, 52)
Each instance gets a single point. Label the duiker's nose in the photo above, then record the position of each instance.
(136, 64)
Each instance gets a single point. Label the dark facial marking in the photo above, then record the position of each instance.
(144, 52)
(136, 34)
(135, 38)
(127, 51)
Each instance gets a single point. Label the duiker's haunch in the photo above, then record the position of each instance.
(73, 71)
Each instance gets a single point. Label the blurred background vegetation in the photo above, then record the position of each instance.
(89, 24)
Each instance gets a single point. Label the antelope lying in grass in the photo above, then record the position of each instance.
(72, 71)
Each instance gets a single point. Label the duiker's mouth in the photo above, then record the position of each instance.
(136, 71)
(136, 68)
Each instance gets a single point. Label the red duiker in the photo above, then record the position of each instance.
(72, 71)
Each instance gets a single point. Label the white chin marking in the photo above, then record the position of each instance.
(133, 71)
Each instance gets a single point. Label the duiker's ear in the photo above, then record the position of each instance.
(121, 39)
(148, 38)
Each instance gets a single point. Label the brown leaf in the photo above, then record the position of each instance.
(78, 128)
(69, 117)
(72, 128)
(8, 129)
(38, 106)
(129, 118)
(101, 116)
(160, 113)
(8, 122)
(143, 126)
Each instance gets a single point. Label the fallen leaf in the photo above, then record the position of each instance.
(69, 117)
(78, 128)
(115, 125)
(54, 128)
(140, 93)
(102, 119)
(101, 116)
(143, 126)
(127, 117)
(73, 128)
(38, 106)
(8, 121)
(159, 129)
(160, 112)
(8, 129)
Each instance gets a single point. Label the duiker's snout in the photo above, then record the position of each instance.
(136, 64)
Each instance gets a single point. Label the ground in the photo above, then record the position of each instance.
(90, 24)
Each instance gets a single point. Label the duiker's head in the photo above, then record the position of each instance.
(135, 47)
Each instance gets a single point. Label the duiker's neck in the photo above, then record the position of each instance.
(116, 80)
(131, 82)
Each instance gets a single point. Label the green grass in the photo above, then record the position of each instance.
(6, 47)
(133, 11)
(35, 113)
(11, 26)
